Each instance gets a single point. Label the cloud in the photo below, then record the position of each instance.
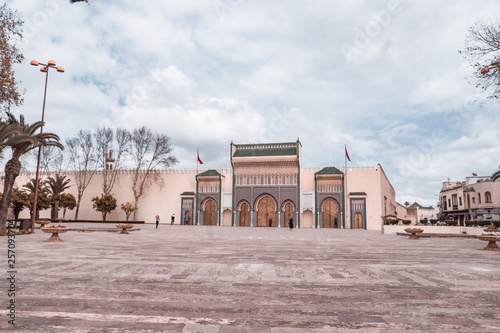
(208, 72)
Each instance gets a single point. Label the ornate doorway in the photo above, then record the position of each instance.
(244, 215)
(187, 217)
(289, 214)
(358, 221)
(210, 212)
(330, 213)
(266, 209)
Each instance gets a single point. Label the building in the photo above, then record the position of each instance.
(476, 198)
(266, 186)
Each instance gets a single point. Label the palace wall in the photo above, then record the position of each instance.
(164, 195)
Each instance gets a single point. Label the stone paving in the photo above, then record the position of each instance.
(222, 279)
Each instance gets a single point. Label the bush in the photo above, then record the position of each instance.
(406, 222)
(451, 222)
(433, 221)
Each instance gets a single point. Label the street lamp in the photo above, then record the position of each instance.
(44, 69)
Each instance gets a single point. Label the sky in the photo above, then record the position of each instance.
(384, 78)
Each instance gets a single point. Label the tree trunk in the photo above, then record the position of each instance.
(136, 206)
(12, 170)
(78, 205)
(104, 216)
(55, 207)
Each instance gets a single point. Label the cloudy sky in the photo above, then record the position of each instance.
(384, 77)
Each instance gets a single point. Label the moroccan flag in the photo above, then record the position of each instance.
(347, 154)
(475, 175)
(199, 158)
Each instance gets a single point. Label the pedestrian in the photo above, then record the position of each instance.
(270, 222)
(290, 223)
(157, 221)
(187, 220)
(336, 222)
(172, 220)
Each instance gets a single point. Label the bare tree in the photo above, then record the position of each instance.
(51, 159)
(148, 151)
(10, 35)
(81, 152)
(482, 51)
(110, 163)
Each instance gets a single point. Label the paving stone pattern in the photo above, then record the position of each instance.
(222, 279)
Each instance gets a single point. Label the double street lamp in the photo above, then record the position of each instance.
(44, 69)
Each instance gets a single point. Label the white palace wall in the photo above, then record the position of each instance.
(164, 196)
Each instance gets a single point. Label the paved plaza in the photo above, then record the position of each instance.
(223, 279)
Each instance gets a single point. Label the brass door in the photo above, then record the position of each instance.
(187, 217)
(210, 213)
(266, 210)
(244, 215)
(330, 213)
(289, 213)
(358, 221)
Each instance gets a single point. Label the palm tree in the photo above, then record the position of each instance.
(21, 143)
(57, 186)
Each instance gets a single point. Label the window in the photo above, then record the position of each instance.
(479, 198)
(460, 201)
(269, 180)
(283, 180)
(487, 197)
(473, 200)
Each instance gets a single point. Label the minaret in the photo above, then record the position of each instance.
(110, 161)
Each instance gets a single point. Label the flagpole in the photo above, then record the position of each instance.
(345, 184)
(197, 159)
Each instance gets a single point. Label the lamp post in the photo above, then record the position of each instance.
(44, 69)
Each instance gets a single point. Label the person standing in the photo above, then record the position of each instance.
(270, 222)
(290, 223)
(157, 221)
(172, 220)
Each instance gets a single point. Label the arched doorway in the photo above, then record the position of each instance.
(288, 209)
(244, 215)
(210, 212)
(266, 209)
(358, 221)
(330, 211)
(187, 217)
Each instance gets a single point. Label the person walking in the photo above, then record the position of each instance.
(172, 220)
(157, 221)
(290, 223)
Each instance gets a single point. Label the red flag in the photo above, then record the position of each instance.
(347, 154)
(475, 175)
(199, 158)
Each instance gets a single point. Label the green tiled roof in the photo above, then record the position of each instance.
(470, 190)
(275, 149)
(329, 171)
(357, 193)
(187, 193)
(416, 204)
(209, 173)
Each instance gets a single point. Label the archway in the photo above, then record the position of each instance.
(266, 210)
(210, 212)
(288, 210)
(244, 215)
(358, 221)
(187, 217)
(330, 210)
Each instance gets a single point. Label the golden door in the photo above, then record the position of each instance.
(244, 215)
(187, 217)
(289, 214)
(266, 211)
(330, 213)
(358, 221)
(210, 213)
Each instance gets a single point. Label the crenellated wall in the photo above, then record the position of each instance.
(164, 195)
